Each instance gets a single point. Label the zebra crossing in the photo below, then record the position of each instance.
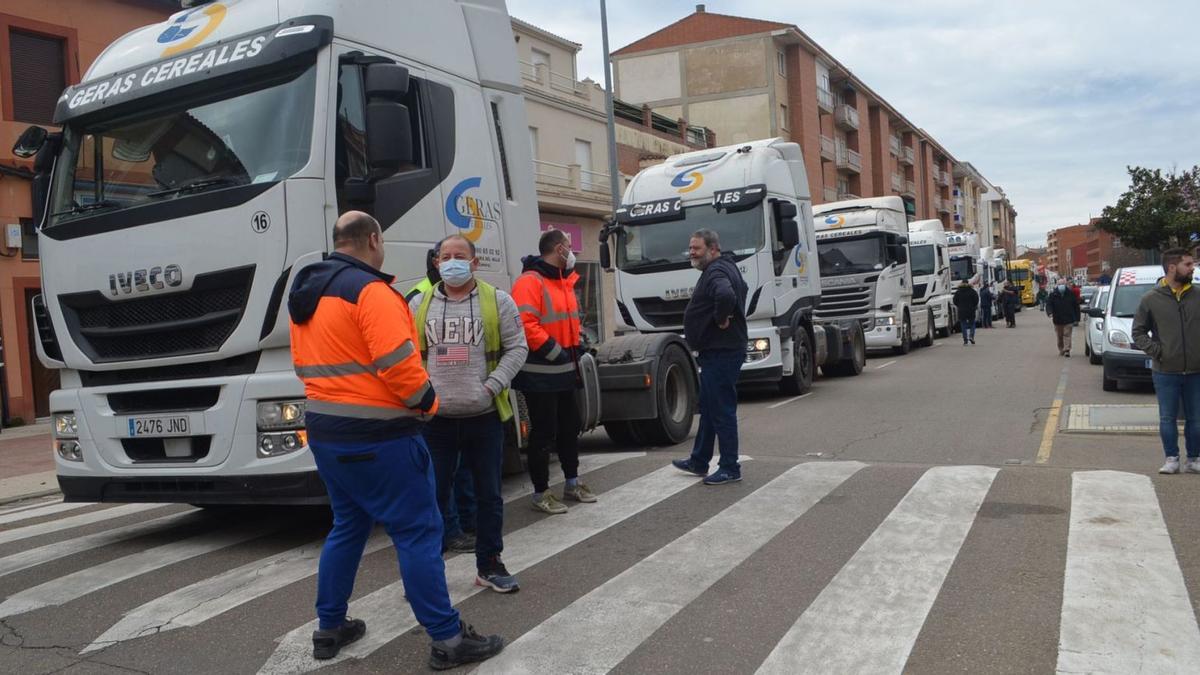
(167, 571)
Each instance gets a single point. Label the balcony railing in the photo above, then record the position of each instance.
(541, 74)
(846, 117)
(897, 182)
(849, 160)
(943, 205)
(570, 177)
(894, 146)
(943, 179)
(908, 157)
(828, 151)
(830, 194)
(843, 196)
(937, 203)
(824, 99)
(910, 189)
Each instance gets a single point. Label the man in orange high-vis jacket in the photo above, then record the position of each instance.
(353, 346)
(545, 297)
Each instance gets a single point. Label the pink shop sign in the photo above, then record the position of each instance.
(574, 233)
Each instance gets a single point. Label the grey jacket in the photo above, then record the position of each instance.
(459, 375)
(1169, 330)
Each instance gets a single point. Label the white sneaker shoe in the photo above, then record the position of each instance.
(1192, 466)
(1172, 466)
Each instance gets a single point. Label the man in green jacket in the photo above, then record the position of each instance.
(1167, 328)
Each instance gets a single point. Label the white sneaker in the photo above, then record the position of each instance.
(1172, 466)
(1192, 466)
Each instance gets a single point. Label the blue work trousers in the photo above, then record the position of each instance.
(719, 371)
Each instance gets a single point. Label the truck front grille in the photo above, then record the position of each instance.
(844, 302)
(194, 321)
(661, 313)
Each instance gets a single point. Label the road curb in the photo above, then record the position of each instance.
(10, 499)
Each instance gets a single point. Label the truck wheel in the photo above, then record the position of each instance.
(801, 379)
(905, 338)
(677, 400)
(1109, 384)
(927, 341)
(624, 434)
(856, 358)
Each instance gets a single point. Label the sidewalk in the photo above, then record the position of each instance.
(26, 463)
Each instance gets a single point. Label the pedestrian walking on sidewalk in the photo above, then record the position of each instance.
(545, 296)
(966, 300)
(715, 326)
(1010, 299)
(367, 397)
(986, 302)
(1167, 327)
(472, 344)
(1063, 309)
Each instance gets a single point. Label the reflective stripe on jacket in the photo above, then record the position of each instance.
(545, 296)
(352, 345)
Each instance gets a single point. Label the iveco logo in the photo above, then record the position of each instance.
(157, 278)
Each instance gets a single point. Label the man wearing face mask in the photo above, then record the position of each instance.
(714, 324)
(1063, 308)
(545, 296)
(472, 343)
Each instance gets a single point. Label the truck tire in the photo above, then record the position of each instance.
(801, 379)
(905, 337)
(927, 341)
(856, 357)
(678, 400)
(624, 434)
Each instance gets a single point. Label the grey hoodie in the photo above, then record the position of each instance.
(457, 361)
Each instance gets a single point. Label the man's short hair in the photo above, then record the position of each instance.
(354, 230)
(711, 239)
(1172, 256)
(456, 237)
(551, 239)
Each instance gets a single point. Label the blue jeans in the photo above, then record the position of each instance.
(719, 370)
(987, 314)
(389, 482)
(1171, 388)
(478, 443)
(968, 329)
(460, 510)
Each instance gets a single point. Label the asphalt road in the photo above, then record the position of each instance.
(918, 518)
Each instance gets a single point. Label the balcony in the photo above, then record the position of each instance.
(897, 182)
(908, 156)
(539, 74)
(571, 179)
(910, 189)
(848, 160)
(937, 203)
(824, 99)
(828, 149)
(942, 205)
(846, 117)
(943, 179)
(830, 195)
(894, 146)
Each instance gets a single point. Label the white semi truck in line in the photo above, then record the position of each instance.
(862, 246)
(203, 161)
(755, 196)
(929, 247)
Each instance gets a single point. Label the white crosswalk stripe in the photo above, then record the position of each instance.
(600, 629)
(38, 512)
(1125, 605)
(100, 515)
(868, 617)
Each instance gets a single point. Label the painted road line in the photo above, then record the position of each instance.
(790, 400)
(1125, 606)
(97, 516)
(73, 586)
(1047, 445)
(885, 365)
(211, 597)
(32, 504)
(869, 616)
(39, 512)
(523, 548)
(599, 630)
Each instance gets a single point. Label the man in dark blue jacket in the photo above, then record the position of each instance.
(715, 326)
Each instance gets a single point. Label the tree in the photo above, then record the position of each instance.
(1159, 211)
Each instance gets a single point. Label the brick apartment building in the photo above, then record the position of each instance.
(748, 78)
(1076, 248)
(45, 45)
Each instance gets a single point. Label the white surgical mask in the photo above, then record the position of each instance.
(455, 272)
(1062, 288)
(570, 260)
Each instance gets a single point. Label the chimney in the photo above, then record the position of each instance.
(699, 9)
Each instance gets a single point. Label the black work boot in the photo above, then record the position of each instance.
(472, 647)
(327, 643)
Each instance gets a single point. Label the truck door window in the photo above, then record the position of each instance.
(350, 154)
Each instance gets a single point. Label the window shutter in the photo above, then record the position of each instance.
(38, 75)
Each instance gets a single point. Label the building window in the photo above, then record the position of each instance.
(29, 240)
(38, 73)
(533, 141)
(781, 63)
(541, 58)
(783, 116)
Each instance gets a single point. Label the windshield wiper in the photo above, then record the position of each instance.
(86, 208)
(198, 186)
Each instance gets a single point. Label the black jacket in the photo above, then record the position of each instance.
(720, 294)
(1062, 308)
(1169, 330)
(966, 301)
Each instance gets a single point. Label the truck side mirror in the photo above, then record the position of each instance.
(786, 228)
(605, 255)
(389, 122)
(899, 253)
(1095, 312)
(30, 141)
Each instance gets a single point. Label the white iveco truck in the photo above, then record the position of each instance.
(862, 245)
(755, 196)
(203, 162)
(928, 248)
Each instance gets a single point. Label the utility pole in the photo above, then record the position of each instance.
(614, 174)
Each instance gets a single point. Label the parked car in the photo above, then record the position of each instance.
(1093, 346)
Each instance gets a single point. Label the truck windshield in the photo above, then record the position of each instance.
(962, 268)
(1018, 275)
(853, 255)
(256, 137)
(657, 246)
(1126, 299)
(923, 260)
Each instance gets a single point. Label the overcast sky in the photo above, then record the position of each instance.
(1050, 99)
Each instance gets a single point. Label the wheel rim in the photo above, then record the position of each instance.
(675, 393)
(804, 362)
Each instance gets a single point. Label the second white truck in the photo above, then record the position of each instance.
(928, 247)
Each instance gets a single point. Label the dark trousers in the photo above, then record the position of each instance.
(968, 329)
(555, 423)
(460, 512)
(389, 482)
(719, 370)
(1010, 315)
(476, 443)
(986, 320)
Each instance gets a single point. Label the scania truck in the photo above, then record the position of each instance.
(203, 162)
(929, 248)
(755, 196)
(862, 249)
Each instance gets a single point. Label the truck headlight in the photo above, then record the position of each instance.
(281, 427)
(757, 350)
(885, 321)
(66, 425)
(69, 450)
(1119, 339)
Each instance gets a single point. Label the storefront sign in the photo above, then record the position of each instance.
(574, 233)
